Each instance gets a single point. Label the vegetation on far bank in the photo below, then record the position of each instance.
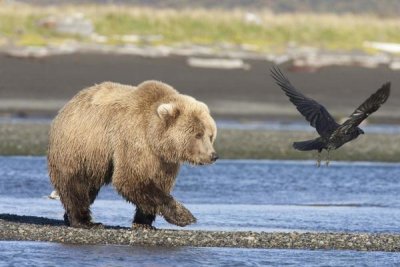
(19, 25)
(31, 139)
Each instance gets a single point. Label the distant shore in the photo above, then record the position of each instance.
(31, 139)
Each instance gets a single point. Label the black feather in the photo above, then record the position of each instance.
(332, 135)
(314, 112)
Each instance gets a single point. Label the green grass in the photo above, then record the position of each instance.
(208, 27)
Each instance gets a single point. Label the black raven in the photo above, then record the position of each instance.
(332, 134)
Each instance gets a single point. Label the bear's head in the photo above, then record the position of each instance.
(184, 131)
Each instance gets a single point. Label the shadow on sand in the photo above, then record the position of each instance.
(41, 220)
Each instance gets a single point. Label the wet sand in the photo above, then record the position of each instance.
(41, 86)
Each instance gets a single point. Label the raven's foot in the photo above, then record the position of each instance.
(319, 159)
(327, 160)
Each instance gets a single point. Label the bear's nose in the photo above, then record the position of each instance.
(214, 156)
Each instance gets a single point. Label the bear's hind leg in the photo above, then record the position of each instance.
(93, 192)
(76, 200)
(142, 220)
(77, 215)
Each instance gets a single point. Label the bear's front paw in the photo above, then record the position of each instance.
(141, 226)
(179, 215)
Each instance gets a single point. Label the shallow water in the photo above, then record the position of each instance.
(229, 195)
(238, 195)
(50, 254)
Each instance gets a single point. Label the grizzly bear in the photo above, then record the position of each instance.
(134, 138)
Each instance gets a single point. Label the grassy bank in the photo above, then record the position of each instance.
(19, 24)
(31, 139)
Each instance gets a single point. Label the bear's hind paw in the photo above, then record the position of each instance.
(89, 225)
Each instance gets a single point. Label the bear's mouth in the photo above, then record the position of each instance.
(204, 163)
(199, 162)
(196, 163)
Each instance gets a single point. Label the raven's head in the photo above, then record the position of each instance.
(360, 131)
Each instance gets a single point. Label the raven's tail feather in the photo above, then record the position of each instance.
(314, 144)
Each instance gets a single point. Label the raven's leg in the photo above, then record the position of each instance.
(319, 158)
(327, 158)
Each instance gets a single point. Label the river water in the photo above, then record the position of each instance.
(229, 195)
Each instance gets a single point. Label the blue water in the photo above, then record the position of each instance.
(229, 195)
(48, 254)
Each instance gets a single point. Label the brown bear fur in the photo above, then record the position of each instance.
(134, 138)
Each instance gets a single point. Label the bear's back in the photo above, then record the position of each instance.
(98, 112)
(114, 95)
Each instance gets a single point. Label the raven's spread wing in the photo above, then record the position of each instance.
(369, 106)
(314, 112)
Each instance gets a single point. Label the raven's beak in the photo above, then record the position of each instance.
(361, 131)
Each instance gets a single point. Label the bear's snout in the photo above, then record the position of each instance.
(214, 157)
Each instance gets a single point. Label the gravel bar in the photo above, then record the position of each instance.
(28, 228)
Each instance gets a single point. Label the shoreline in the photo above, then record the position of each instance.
(30, 228)
(30, 139)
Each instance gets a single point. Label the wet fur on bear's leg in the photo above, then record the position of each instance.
(76, 202)
(81, 221)
(76, 198)
(142, 220)
(153, 200)
(175, 213)
(66, 220)
(172, 211)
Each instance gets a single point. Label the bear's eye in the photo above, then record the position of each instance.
(211, 137)
(199, 135)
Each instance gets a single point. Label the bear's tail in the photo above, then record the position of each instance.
(314, 144)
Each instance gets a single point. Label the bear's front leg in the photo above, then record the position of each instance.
(143, 220)
(151, 200)
(175, 213)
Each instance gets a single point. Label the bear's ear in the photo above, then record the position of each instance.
(204, 106)
(167, 111)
